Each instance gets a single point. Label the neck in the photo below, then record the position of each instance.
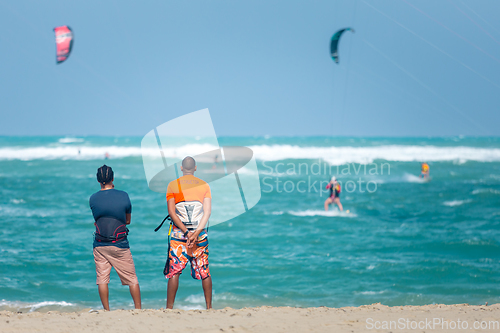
(184, 173)
(108, 186)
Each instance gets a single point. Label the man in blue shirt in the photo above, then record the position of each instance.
(112, 213)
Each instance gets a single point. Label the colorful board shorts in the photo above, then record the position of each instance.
(180, 255)
(106, 257)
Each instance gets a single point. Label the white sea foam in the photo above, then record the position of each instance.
(311, 212)
(7, 211)
(332, 155)
(197, 302)
(275, 213)
(486, 190)
(17, 201)
(364, 155)
(70, 140)
(44, 304)
(413, 179)
(30, 307)
(454, 203)
(371, 292)
(86, 152)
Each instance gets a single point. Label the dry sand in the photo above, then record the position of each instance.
(263, 319)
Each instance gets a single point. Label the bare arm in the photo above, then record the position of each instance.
(173, 215)
(207, 210)
(128, 218)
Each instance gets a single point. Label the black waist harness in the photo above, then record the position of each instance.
(110, 230)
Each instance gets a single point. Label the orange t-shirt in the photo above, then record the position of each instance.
(191, 189)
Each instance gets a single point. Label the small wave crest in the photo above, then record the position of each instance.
(70, 140)
(485, 190)
(413, 179)
(331, 213)
(17, 201)
(454, 203)
(370, 292)
(275, 213)
(197, 302)
(38, 306)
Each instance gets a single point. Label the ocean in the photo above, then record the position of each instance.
(404, 241)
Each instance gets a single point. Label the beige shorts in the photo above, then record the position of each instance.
(106, 257)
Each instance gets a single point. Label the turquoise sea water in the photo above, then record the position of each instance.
(404, 241)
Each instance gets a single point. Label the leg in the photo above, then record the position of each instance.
(135, 292)
(172, 286)
(327, 203)
(122, 261)
(104, 295)
(337, 201)
(102, 268)
(207, 290)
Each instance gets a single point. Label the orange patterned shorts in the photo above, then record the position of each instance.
(180, 255)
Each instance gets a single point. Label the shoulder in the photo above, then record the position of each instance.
(116, 195)
(203, 183)
(172, 185)
(94, 196)
(122, 194)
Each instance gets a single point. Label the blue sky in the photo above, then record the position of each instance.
(413, 67)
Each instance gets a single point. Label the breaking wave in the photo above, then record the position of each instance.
(332, 155)
(37, 306)
(364, 155)
(454, 203)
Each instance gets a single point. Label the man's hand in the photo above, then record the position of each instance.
(189, 239)
(192, 237)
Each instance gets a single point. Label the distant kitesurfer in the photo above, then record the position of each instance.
(425, 171)
(189, 202)
(214, 166)
(106, 156)
(335, 190)
(112, 213)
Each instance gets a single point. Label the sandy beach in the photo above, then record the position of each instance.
(368, 318)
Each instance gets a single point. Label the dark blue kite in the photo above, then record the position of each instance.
(335, 43)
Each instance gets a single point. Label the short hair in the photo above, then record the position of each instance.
(105, 174)
(188, 163)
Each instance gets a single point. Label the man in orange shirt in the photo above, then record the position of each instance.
(189, 204)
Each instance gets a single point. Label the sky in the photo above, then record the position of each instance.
(412, 67)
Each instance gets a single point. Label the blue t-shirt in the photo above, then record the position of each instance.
(114, 204)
